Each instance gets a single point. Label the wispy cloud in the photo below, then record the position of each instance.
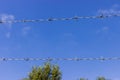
(7, 25)
(115, 9)
(67, 34)
(69, 39)
(103, 30)
(26, 30)
(8, 34)
(104, 33)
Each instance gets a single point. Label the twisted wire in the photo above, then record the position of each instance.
(61, 19)
(60, 59)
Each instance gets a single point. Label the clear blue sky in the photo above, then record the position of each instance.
(82, 38)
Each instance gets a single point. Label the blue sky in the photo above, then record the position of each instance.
(65, 39)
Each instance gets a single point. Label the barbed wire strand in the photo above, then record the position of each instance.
(59, 59)
(102, 16)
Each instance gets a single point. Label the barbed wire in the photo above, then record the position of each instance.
(59, 59)
(102, 16)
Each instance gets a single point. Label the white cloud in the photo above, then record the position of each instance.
(7, 19)
(69, 38)
(115, 9)
(26, 30)
(8, 35)
(103, 30)
(7, 23)
(109, 11)
(68, 34)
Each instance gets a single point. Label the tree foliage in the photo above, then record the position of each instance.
(101, 78)
(83, 79)
(47, 72)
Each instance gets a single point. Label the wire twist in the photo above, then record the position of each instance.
(59, 59)
(61, 19)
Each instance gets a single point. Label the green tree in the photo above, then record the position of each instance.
(101, 78)
(46, 72)
(83, 79)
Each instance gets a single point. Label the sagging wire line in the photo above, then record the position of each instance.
(60, 59)
(102, 16)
